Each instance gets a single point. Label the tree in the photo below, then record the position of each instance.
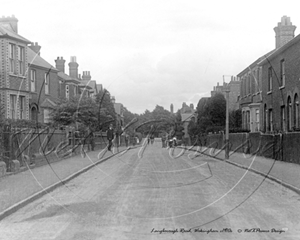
(76, 111)
(193, 130)
(211, 113)
(235, 120)
(160, 119)
(128, 117)
(217, 110)
(106, 111)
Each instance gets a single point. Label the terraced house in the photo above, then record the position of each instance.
(43, 85)
(281, 88)
(30, 86)
(14, 87)
(259, 81)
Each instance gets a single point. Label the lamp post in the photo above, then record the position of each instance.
(227, 90)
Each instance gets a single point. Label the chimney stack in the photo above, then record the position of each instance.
(60, 64)
(86, 76)
(11, 23)
(285, 31)
(172, 108)
(73, 68)
(113, 100)
(35, 47)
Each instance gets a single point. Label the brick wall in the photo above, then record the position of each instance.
(284, 147)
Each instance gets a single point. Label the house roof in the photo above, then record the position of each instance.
(37, 60)
(256, 62)
(67, 78)
(90, 83)
(280, 50)
(187, 116)
(5, 32)
(99, 87)
(47, 103)
(118, 108)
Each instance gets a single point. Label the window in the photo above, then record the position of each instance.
(75, 90)
(13, 99)
(22, 107)
(289, 114)
(270, 79)
(249, 83)
(34, 114)
(248, 120)
(283, 118)
(270, 118)
(257, 119)
(21, 60)
(245, 86)
(243, 120)
(67, 91)
(282, 73)
(265, 118)
(32, 80)
(47, 82)
(257, 81)
(46, 116)
(296, 112)
(11, 56)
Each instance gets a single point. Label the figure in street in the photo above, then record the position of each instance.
(110, 136)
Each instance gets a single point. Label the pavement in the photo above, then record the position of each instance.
(20, 189)
(285, 173)
(17, 190)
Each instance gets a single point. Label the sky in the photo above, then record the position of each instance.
(158, 52)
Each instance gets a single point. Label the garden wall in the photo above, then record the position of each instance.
(285, 147)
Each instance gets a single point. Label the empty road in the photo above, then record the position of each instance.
(155, 193)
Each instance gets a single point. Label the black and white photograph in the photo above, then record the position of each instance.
(139, 119)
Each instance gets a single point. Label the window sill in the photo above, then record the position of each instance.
(282, 87)
(15, 75)
(270, 92)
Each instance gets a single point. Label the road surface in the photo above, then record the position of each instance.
(158, 193)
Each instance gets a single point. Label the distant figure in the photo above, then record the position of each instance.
(91, 140)
(110, 136)
(152, 139)
(148, 139)
(163, 141)
(126, 139)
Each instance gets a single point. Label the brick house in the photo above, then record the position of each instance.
(250, 96)
(188, 114)
(234, 92)
(87, 81)
(73, 85)
(119, 110)
(280, 88)
(14, 88)
(68, 84)
(43, 85)
(253, 80)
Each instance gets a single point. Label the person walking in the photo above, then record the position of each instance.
(110, 136)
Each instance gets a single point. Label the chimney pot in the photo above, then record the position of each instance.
(73, 67)
(60, 64)
(35, 47)
(284, 31)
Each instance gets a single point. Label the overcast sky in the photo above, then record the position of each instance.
(148, 52)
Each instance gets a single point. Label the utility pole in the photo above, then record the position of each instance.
(227, 90)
